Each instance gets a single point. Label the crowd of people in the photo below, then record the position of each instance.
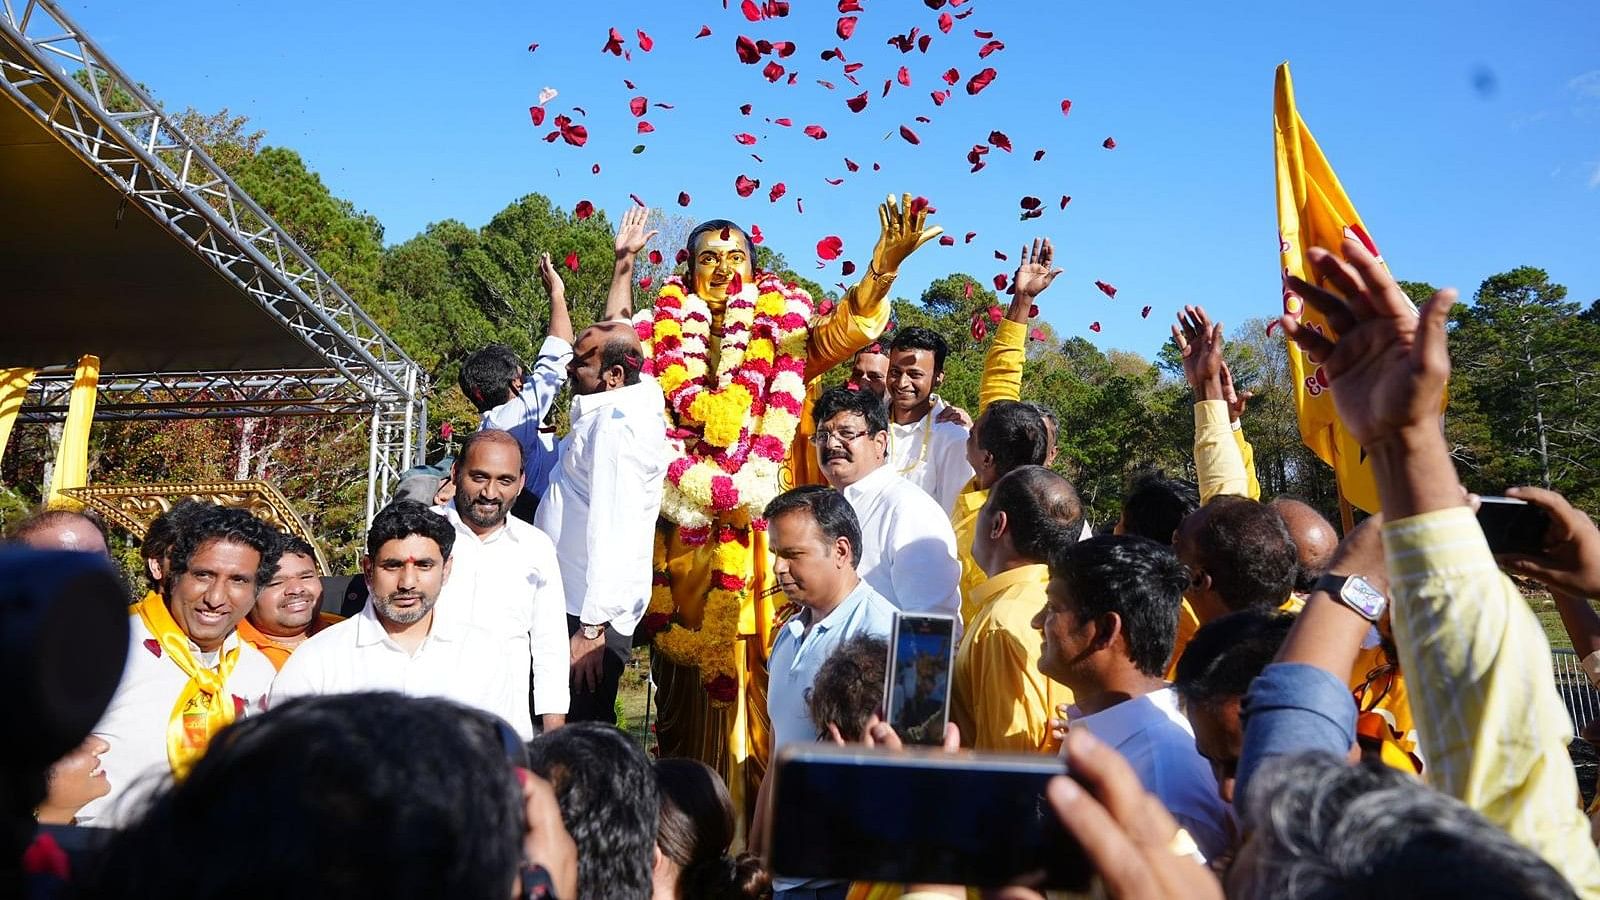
(1246, 704)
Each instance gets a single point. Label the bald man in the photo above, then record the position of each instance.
(602, 505)
(61, 529)
(1314, 541)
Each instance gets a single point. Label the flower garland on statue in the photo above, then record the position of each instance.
(730, 440)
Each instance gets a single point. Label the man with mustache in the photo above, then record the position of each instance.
(507, 579)
(404, 640)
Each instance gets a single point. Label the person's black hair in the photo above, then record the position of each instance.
(1045, 413)
(403, 518)
(1042, 510)
(42, 519)
(312, 799)
(696, 830)
(843, 400)
(1226, 654)
(622, 351)
(609, 803)
(1136, 578)
(1014, 434)
(488, 436)
(848, 687)
(918, 338)
(1246, 549)
(294, 545)
(487, 374)
(1155, 505)
(233, 526)
(827, 507)
(163, 533)
(717, 225)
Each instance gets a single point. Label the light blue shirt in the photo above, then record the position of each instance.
(799, 652)
(523, 415)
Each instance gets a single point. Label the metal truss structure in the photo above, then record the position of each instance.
(133, 145)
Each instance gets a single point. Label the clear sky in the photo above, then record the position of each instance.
(1467, 133)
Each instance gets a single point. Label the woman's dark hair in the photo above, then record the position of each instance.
(848, 687)
(696, 831)
(316, 799)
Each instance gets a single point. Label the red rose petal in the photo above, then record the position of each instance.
(903, 76)
(745, 186)
(645, 127)
(1000, 281)
(1038, 155)
(951, 76)
(946, 240)
(1109, 143)
(594, 169)
(992, 46)
(683, 255)
(613, 43)
(1066, 107)
(772, 71)
(628, 84)
(1036, 334)
(1110, 290)
(918, 204)
(846, 27)
(665, 106)
(982, 35)
(1094, 327)
(939, 97)
(776, 192)
(583, 210)
(858, 102)
(154, 646)
(851, 69)
(996, 314)
(1065, 199)
(1030, 202)
(784, 122)
(744, 110)
(815, 132)
(834, 181)
(849, 6)
(876, 167)
(851, 165)
(580, 110)
(980, 81)
(655, 257)
(1000, 256)
(532, 47)
(638, 105)
(830, 247)
(645, 282)
(757, 157)
(572, 261)
(537, 114)
(970, 236)
(946, 23)
(646, 42)
(847, 268)
(775, 9)
(756, 236)
(799, 204)
(980, 328)
(1033, 311)
(909, 135)
(635, 199)
(999, 139)
(705, 31)
(784, 49)
(746, 48)
(751, 10)
(683, 199)
(968, 289)
(1145, 314)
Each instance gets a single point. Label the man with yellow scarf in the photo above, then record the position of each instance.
(188, 674)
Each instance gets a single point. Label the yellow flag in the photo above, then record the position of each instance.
(13, 388)
(72, 455)
(1313, 211)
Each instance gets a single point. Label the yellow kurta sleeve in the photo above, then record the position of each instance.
(1002, 366)
(1249, 456)
(1218, 464)
(1493, 728)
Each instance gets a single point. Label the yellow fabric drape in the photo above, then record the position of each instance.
(13, 387)
(204, 708)
(72, 456)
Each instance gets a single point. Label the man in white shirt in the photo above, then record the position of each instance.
(908, 548)
(1109, 623)
(404, 640)
(928, 450)
(604, 497)
(504, 575)
(188, 674)
(515, 400)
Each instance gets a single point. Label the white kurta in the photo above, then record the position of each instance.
(932, 455)
(908, 548)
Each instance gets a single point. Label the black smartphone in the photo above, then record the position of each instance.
(1513, 526)
(917, 697)
(920, 816)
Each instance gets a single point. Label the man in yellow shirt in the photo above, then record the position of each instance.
(1001, 700)
(289, 607)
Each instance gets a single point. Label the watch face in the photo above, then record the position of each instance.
(1363, 597)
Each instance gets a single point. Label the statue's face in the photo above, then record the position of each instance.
(718, 256)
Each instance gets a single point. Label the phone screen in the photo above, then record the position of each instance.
(1513, 526)
(921, 816)
(918, 694)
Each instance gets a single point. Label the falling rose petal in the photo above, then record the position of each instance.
(705, 31)
(846, 27)
(757, 158)
(785, 122)
(826, 84)
(800, 205)
(903, 76)
(968, 289)
(1000, 281)
(851, 165)
(572, 261)
(835, 53)
(594, 169)
(583, 210)
(537, 114)
(876, 167)
(1110, 290)
(924, 120)
(1036, 334)
(776, 192)
(918, 204)
(726, 232)
(636, 200)
(923, 43)
(628, 84)
(664, 106)
(576, 135)
(1038, 155)
(532, 47)
(1094, 327)
(683, 198)
(744, 110)
(756, 236)
(834, 181)
(982, 35)
(951, 76)
(946, 240)
(1065, 199)
(909, 135)
(980, 328)
(745, 138)
(886, 84)
(939, 97)
(655, 257)
(858, 102)
(784, 49)
(775, 9)
(1030, 202)
(852, 68)
(1033, 311)
(847, 268)
(829, 248)
(816, 132)
(645, 282)
(546, 95)
(645, 127)
(996, 313)
(849, 6)
(970, 236)
(580, 110)
(772, 71)
(1145, 314)
(1000, 256)
(1109, 143)
(751, 10)
(992, 46)
(946, 23)
(999, 139)
(1066, 107)
(613, 43)
(980, 81)
(638, 105)
(683, 254)
(745, 186)
(646, 42)
(746, 48)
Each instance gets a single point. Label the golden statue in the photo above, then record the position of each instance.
(739, 356)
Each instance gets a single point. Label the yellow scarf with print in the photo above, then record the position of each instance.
(204, 707)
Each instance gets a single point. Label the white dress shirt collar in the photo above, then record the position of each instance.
(871, 484)
(370, 630)
(643, 396)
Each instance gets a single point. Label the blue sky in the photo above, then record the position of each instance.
(1467, 133)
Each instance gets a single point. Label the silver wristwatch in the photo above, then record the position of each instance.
(1357, 593)
(592, 632)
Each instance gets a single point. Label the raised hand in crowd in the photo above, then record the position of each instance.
(1200, 341)
(631, 238)
(1236, 399)
(560, 317)
(1035, 272)
(1570, 563)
